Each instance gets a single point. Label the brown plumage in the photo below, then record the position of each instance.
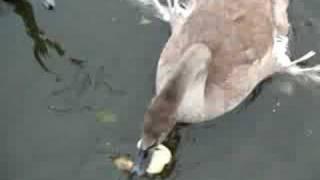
(213, 60)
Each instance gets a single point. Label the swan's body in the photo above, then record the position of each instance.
(240, 55)
(218, 52)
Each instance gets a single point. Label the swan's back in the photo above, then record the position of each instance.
(237, 32)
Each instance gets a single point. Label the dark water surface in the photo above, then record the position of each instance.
(75, 83)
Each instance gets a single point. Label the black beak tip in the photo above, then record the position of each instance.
(137, 170)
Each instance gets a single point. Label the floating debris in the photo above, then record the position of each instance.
(276, 106)
(145, 21)
(106, 116)
(49, 4)
(123, 162)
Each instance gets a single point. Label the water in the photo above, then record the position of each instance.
(75, 82)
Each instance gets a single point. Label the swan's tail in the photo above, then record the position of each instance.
(170, 10)
(291, 67)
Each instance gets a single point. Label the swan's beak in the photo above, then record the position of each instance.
(139, 166)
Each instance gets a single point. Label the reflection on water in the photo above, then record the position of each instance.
(69, 97)
(41, 43)
(72, 92)
(84, 91)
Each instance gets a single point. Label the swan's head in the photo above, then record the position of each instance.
(159, 120)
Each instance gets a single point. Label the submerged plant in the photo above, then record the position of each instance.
(41, 43)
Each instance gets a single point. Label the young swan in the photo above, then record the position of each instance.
(218, 52)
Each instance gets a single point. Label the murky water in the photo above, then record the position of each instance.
(75, 83)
